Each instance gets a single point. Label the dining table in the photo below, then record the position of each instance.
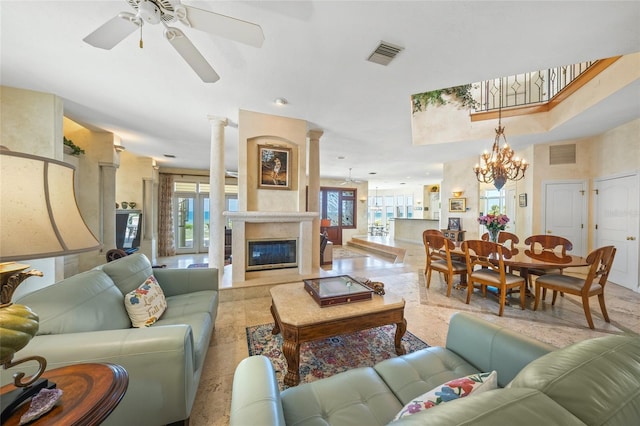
(523, 258)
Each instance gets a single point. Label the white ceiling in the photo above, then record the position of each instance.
(314, 55)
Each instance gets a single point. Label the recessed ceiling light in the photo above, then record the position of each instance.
(341, 158)
(280, 101)
(169, 155)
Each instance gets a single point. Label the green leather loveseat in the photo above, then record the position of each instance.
(594, 382)
(83, 319)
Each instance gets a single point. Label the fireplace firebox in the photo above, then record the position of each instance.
(269, 254)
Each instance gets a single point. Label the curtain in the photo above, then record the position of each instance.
(166, 244)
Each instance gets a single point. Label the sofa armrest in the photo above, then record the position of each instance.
(255, 398)
(159, 361)
(489, 347)
(181, 281)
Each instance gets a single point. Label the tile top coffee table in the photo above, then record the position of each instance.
(300, 319)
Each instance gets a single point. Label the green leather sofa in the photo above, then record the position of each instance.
(83, 319)
(594, 382)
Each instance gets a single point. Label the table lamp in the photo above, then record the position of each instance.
(39, 218)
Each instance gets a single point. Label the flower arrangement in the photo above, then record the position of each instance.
(494, 221)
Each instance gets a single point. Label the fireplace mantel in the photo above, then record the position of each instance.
(266, 217)
(266, 223)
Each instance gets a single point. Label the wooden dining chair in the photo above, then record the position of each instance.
(542, 243)
(432, 232)
(438, 251)
(507, 239)
(600, 261)
(485, 267)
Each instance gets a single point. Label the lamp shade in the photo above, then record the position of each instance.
(39, 217)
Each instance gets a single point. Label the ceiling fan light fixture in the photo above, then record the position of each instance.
(149, 12)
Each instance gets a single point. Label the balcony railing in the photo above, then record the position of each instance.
(526, 89)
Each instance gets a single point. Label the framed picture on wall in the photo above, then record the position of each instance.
(274, 167)
(458, 205)
(523, 200)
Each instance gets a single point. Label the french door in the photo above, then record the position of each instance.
(338, 205)
(191, 222)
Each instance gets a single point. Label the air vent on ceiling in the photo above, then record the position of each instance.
(562, 154)
(384, 53)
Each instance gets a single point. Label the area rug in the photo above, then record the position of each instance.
(198, 265)
(324, 358)
(345, 253)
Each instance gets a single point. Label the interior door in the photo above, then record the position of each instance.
(616, 217)
(510, 208)
(565, 212)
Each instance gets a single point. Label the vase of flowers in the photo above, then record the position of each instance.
(494, 224)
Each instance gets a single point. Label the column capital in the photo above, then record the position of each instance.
(315, 134)
(217, 118)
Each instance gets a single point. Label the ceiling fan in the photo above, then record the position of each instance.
(167, 12)
(349, 179)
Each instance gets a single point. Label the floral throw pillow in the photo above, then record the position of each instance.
(454, 389)
(146, 303)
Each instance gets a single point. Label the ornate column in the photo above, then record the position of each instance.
(216, 195)
(314, 190)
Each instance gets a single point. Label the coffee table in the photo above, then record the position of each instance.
(300, 319)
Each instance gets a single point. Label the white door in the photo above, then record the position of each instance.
(617, 224)
(565, 213)
(510, 208)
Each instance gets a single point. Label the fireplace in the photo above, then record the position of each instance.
(267, 254)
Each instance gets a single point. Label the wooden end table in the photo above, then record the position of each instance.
(301, 319)
(90, 393)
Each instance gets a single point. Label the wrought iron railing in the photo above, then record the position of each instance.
(526, 89)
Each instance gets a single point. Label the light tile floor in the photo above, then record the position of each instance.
(427, 313)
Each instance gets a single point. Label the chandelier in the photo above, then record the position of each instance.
(499, 165)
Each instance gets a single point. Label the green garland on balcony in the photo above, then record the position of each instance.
(76, 150)
(461, 94)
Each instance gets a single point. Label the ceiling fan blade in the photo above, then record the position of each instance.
(113, 31)
(189, 53)
(224, 26)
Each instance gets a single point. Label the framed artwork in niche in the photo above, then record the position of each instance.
(274, 167)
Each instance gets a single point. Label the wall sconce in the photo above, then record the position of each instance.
(363, 199)
(119, 148)
(457, 194)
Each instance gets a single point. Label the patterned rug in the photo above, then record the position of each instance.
(324, 358)
(198, 265)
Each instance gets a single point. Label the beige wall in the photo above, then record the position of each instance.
(616, 151)
(99, 153)
(262, 129)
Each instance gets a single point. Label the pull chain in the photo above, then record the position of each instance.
(141, 43)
